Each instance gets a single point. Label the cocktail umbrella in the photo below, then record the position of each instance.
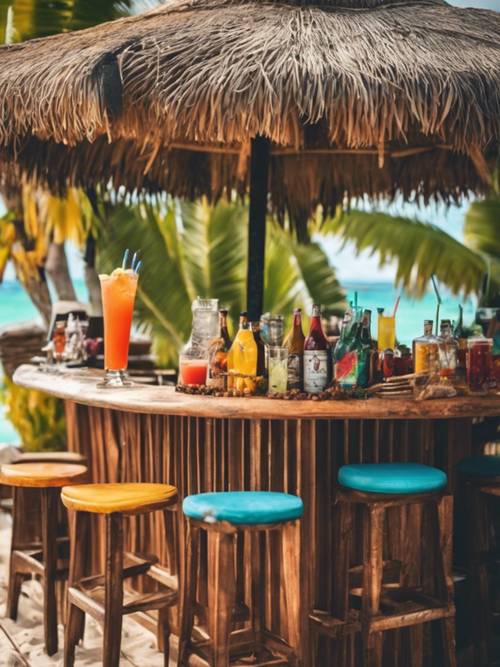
(297, 103)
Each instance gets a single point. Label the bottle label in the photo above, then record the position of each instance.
(294, 371)
(346, 369)
(315, 371)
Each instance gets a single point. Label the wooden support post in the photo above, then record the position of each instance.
(259, 170)
(373, 527)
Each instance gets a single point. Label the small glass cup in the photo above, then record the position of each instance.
(278, 370)
(192, 371)
(386, 332)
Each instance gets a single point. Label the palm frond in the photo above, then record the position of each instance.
(420, 250)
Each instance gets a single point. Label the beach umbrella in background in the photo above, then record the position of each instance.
(297, 104)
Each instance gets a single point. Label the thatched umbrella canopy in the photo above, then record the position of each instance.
(373, 97)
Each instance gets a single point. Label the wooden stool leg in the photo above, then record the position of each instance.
(224, 598)
(443, 521)
(113, 612)
(75, 617)
(50, 498)
(15, 578)
(477, 574)
(188, 592)
(164, 635)
(373, 526)
(290, 537)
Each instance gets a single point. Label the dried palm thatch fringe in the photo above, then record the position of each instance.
(345, 74)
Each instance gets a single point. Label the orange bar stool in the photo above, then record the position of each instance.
(228, 515)
(102, 595)
(43, 558)
(481, 476)
(370, 603)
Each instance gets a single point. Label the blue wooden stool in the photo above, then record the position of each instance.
(481, 477)
(226, 516)
(365, 599)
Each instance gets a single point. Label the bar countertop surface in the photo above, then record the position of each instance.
(80, 385)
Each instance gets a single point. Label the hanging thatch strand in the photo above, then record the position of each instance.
(377, 76)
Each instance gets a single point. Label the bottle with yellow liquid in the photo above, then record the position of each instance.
(242, 359)
(426, 351)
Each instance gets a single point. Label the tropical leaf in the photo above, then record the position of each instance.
(214, 251)
(197, 249)
(482, 227)
(420, 250)
(39, 18)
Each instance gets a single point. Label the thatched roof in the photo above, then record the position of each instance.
(405, 94)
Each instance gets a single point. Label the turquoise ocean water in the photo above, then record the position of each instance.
(15, 306)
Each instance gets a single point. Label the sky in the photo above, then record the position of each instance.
(365, 267)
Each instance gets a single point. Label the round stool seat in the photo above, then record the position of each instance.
(403, 478)
(480, 466)
(243, 507)
(41, 475)
(126, 498)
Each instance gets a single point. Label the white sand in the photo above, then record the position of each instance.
(138, 645)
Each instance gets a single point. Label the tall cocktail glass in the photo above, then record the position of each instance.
(118, 296)
(386, 332)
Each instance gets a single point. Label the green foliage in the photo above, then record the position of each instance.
(196, 249)
(38, 418)
(420, 250)
(39, 18)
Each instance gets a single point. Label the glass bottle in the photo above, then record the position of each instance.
(459, 335)
(261, 350)
(242, 359)
(366, 362)
(193, 361)
(426, 350)
(218, 351)
(294, 342)
(59, 339)
(316, 366)
(448, 350)
(345, 355)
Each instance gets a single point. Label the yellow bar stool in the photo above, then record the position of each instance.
(102, 595)
(43, 557)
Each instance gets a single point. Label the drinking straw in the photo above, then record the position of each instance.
(439, 301)
(396, 305)
(355, 301)
(138, 266)
(134, 259)
(126, 255)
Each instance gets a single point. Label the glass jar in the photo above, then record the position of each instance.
(479, 363)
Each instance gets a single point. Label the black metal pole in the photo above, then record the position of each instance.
(259, 170)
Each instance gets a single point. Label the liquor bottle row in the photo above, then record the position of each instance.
(261, 358)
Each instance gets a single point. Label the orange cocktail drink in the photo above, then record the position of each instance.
(118, 296)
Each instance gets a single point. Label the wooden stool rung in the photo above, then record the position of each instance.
(394, 621)
(150, 601)
(134, 565)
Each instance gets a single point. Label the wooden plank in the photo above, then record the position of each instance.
(81, 386)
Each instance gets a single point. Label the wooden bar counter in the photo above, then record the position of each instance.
(153, 434)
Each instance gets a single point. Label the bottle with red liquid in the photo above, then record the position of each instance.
(479, 363)
(316, 356)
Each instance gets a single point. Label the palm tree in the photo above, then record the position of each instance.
(195, 249)
(422, 250)
(36, 227)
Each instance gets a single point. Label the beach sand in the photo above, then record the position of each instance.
(138, 645)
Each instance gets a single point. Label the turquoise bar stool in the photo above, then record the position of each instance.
(226, 517)
(481, 478)
(375, 597)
